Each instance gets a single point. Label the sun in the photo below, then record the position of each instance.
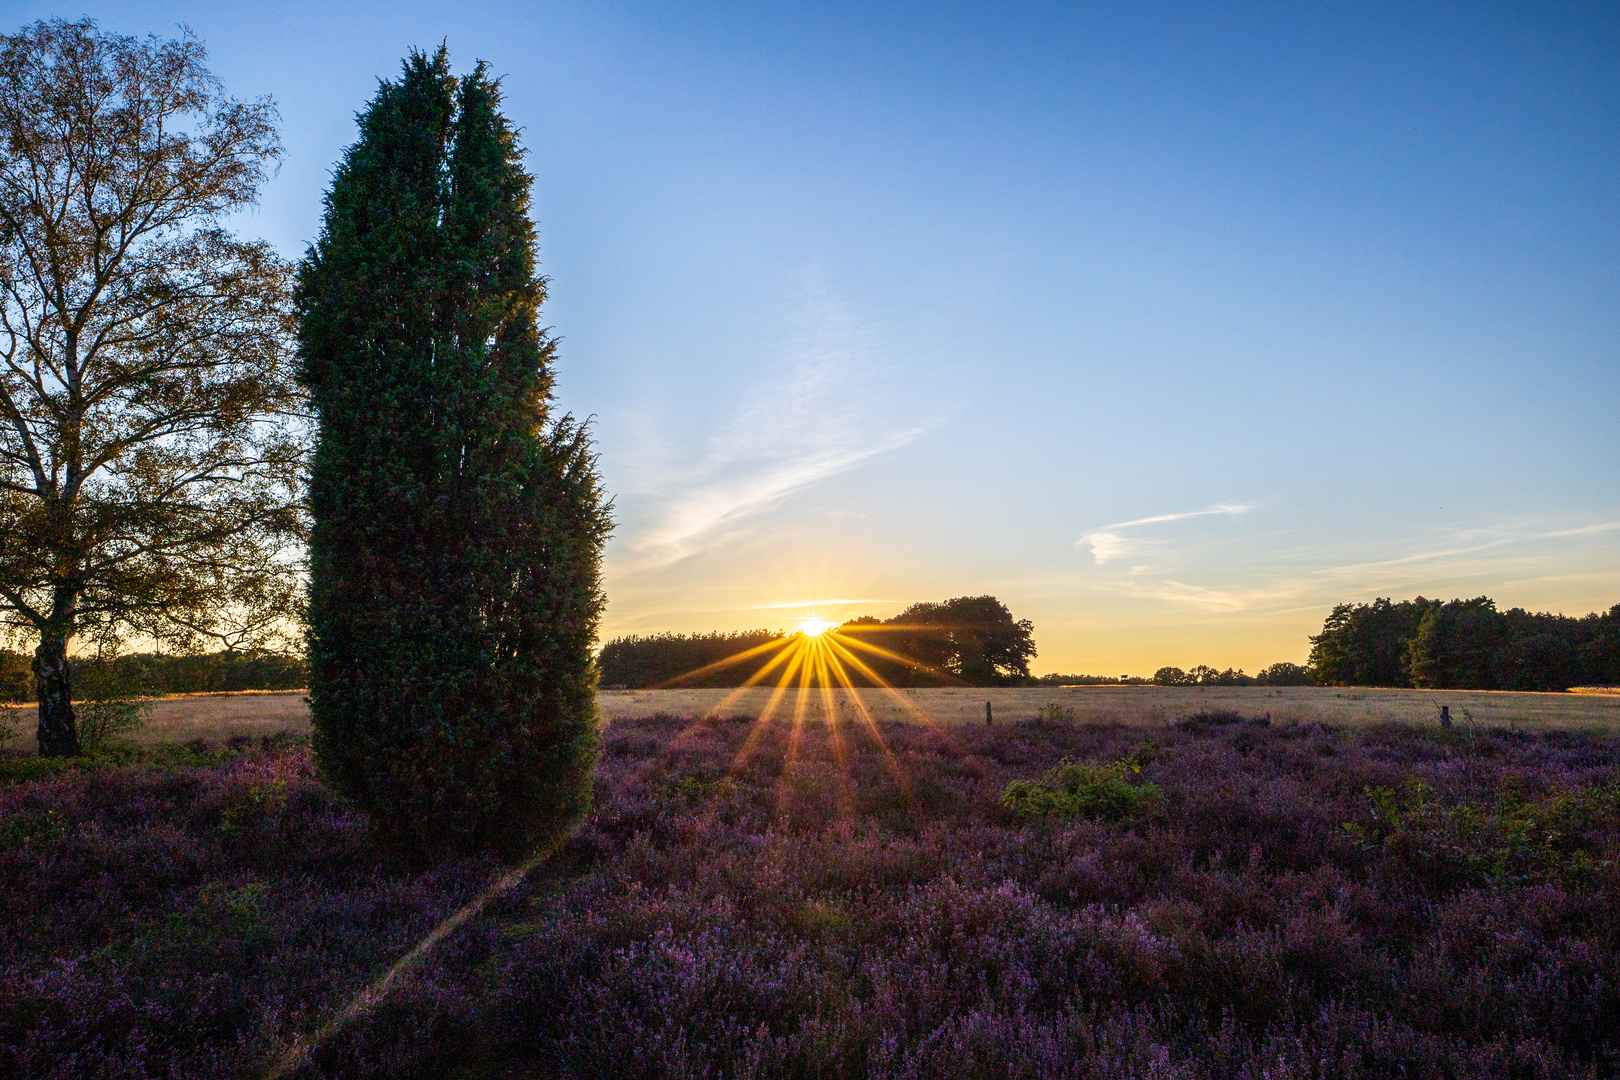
(814, 625)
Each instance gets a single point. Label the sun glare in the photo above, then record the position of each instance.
(814, 625)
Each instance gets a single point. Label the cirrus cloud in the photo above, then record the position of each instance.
(1110, 542)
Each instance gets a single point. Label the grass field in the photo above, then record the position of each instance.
(1149, 704)
(183, 717)
(221, 717)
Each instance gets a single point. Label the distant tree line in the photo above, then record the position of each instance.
(1465, 645)
(155, 674)
(1281, 673)
(967, 641)
(1055, 679)
(641, 662)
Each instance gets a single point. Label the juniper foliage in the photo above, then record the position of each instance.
(457, 523)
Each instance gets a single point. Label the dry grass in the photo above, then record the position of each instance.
(1151, 704)
(183, 717)
(218, 717)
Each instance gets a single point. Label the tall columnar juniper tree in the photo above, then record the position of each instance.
(457, 523)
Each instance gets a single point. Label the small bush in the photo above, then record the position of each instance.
(251, 806)
(113, 703)
(1145, 752)
(102, 722)
(1053, 713)
(1074, 789)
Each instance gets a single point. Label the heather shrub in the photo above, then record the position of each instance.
(1201, 722)
(759, 902)
(1513, 839)
(182, 915)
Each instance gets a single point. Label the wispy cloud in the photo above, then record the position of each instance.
(821, 408)
(1405, 566)
(1110, 542)
(1494, 553)
(1587, 530)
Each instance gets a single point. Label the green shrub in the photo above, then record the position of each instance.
(103, 720)
(1093, 792)
(250, 804)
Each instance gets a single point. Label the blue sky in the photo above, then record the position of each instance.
(1170, 325)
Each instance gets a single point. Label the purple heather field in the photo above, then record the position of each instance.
(1276, 900)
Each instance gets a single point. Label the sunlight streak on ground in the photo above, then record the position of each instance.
(296, 1055)
(871, 725)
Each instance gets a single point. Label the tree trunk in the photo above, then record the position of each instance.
(58, 732)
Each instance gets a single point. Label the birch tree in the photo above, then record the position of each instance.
(149, 458)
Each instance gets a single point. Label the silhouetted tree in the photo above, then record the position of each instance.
(1456, 645)
(970, 639)
(1600, 649)
(1368, 644)
(1284, 673)
(454, 589)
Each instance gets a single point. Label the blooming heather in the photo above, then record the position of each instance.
(1299, 902)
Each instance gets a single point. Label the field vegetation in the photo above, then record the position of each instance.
(1154, 705)
(1221, 895)
(217, 718)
